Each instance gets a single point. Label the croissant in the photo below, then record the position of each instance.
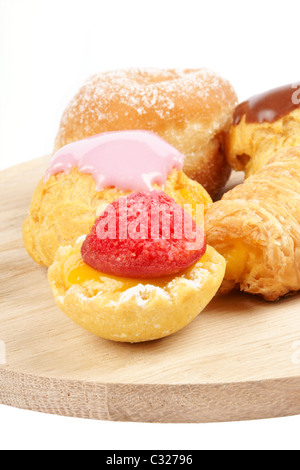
(256, 227)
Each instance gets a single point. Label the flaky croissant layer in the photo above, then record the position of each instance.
(256, 227)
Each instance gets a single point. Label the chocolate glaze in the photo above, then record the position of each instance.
(269, 106)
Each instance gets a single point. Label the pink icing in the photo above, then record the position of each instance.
(128, 160)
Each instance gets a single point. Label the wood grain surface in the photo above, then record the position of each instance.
(238, 360)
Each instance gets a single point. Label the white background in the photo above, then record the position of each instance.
(47, 50)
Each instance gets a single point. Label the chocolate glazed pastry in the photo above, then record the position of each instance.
(263, 125)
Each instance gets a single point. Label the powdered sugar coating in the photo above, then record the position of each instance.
(145, 99)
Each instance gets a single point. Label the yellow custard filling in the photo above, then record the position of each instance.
(240, 258)
(76, 271)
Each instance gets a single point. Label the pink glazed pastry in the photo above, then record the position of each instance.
(127, 160)
(85, 176)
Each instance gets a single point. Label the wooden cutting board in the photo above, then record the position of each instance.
(238, 360)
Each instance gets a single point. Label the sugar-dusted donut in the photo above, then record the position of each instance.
(190, 109)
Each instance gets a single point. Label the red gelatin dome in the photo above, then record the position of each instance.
(144, 235)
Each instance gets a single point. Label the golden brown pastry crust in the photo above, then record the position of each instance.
(143, 312)
(67, 206)
(190, 109)
(249, 146)
(263, 214)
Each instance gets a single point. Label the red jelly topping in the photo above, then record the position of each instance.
(144, 235)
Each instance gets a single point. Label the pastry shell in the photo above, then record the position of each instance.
(141, 313)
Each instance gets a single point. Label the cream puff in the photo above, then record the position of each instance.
(262, 126)
(129, 280)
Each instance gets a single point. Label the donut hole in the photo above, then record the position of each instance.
(146, 77)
